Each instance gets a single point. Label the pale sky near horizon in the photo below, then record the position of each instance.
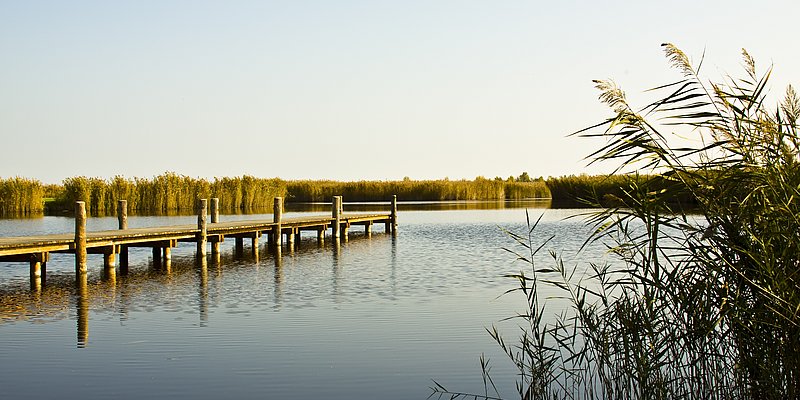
(346, 90)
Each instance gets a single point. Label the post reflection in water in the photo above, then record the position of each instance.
(37, 283)
(82, 307)
(202, 275)
(278, 258)
(110, 276)
(336, 247)
(393, 276)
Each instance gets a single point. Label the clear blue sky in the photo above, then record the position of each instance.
(345, 89)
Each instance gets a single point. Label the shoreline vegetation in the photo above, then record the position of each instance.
(695, 301)
(171, 192)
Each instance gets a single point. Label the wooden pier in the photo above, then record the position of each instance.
(36, 250)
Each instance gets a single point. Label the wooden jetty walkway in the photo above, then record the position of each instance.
(36, 250)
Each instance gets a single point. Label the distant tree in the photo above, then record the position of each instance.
(524, 177)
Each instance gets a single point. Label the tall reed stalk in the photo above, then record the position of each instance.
(701, 303)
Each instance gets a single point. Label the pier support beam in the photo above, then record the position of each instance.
(202, 207)
(368, 229)
(80, 238)
(277, 216)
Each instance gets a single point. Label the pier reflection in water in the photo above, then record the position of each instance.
(110, 294)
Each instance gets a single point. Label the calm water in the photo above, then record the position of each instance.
(372, 318)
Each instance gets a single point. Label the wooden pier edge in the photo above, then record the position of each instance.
(36, 249)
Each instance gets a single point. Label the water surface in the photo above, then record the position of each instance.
(373, 317)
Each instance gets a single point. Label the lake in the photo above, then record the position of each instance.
(375, 317)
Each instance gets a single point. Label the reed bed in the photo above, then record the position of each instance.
(700, 303)
(169, 192)
(20, 196)
(593, 191)
(410, 190)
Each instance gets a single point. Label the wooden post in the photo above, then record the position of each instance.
(254, 245)
(239, 246)
(109, 258)
(122, 214)
(277, 216)
(157, 257)
(394, 214)
(321, 236)
(336, 210)
(122, 218)
(109, 271)
(167, 252)
(202, 206)
(290, 237)
(214, 210)
(80, 238)
(215, 245)
(38, 270)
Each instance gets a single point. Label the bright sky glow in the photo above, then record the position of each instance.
(346, 89)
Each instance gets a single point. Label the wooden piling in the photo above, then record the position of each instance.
(109, 258)
(167, 257)
(336, 210)
(239, 246)
(277, 216)
(394, 214)
(38, 270)
(215, 245)
(214, 210)
(321, 235)
(157, 257)
(254, 245)
(122, 214)
(122, 219)
(80, 238)
(202, 207)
